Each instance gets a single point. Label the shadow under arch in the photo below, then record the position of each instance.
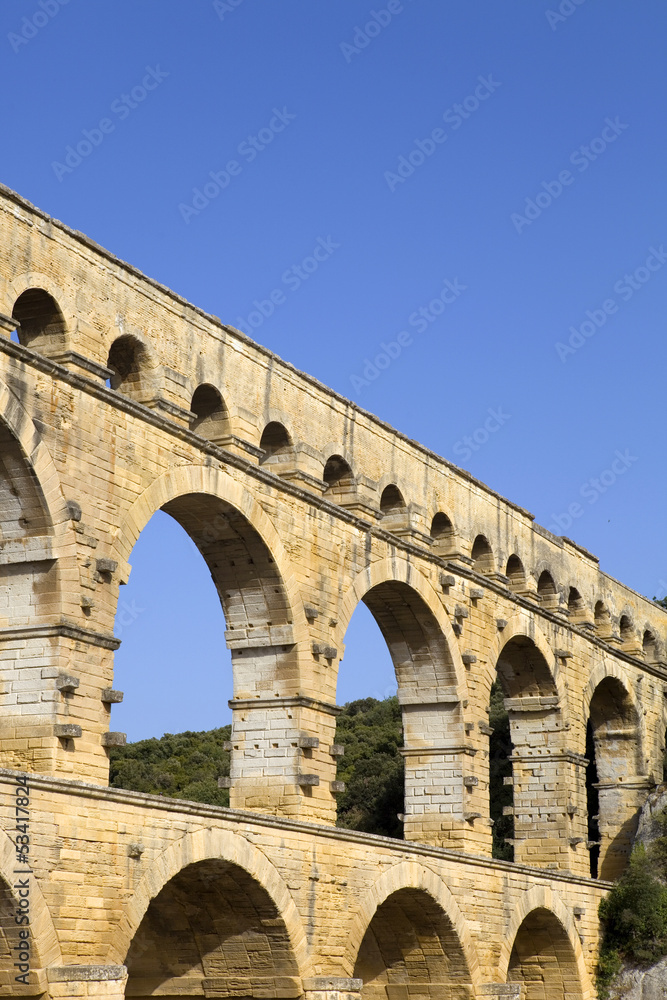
(554, 937)
(617, 785)
(200, 900)
(525, 712)
(428, 669)
(409, 930)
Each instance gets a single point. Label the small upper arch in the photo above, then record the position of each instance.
(133, 367)
(650, 646)
(602, 618)
(275, 440)
(392, 500)
(442, 533)
(482, 555)
(41, 325)
(210, 415)
(337, 472)
(575, 603)
(515, 573)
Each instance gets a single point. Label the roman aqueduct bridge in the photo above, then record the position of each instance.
(118, 399)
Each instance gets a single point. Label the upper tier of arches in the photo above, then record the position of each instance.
(47, 323)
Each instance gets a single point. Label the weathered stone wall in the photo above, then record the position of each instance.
(302, 505)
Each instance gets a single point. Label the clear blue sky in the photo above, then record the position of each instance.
(335, 109)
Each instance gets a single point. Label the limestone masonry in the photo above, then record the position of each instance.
(120, 399)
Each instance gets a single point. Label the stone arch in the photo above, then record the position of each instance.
(428, 670)
(44, 939)
(414, 878)
(201, 846)
(210, 414)
(523, 626)
(526, 717)
(617, 783)
(44, 282)
(136, 368)
(35, 454)
(397, 569)
(217, 484)
(542, 899)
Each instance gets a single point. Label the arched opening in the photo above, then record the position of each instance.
(429, 707)
(515, 573)
(370, 729)
(442, 533)
(42, 325)
(614, 754)
(172, 664)
(275, 440)
(482, 556)
(165, 621)
(522, 708)
(501, 793)
(546, 590)
(211, 419)
(212, 930)
(626, 629)
(410, 944)
(650, 646)
(545, 585)
(337, 472)
(602, 620)
(543, 959)
(391, 501)
(129, 362)
(575, 604)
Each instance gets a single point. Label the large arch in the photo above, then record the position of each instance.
(431, 693)
(526, 747)
(211, 907)
(397, 570)
(409, 913)
(523, 626)
(617, 778)
(203, 481)
(542, 926)
(203, 846)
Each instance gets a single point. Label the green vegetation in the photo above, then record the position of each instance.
(184, 766)
(634, 914)
(500, 767)
(371, 732)
(187, 766)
